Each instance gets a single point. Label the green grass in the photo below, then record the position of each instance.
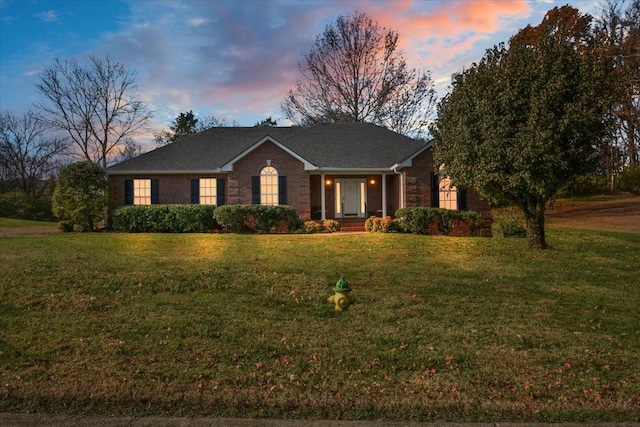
(457, 329)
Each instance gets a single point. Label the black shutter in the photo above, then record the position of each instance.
(220, 192)
(128, 191)
(155, 192)
(195, 191)
(462, 199)
(435, 190)
(282, 190)
(255, 190)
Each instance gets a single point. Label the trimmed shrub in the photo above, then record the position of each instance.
(325, 226)
(331, 225)
(253, 218)
(426, 220)
(81, 195)
(164, 218)
(509, 222)
(375, 224)
(20, 205)
(311, 227)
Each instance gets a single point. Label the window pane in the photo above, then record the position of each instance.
(141, 191)
(208, 191)
(448, 194)
(269, 186)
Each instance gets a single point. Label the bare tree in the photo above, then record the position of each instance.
(355, 73)
(618, 22)
(208, 122)
(94, 104)
(27, 154)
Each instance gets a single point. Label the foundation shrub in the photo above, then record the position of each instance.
(253, 218)
(164, 219)
(331, 225)
(426, 220)
(376, 224)
(325, 226)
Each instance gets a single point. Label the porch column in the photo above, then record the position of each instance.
(323, 201)
(402, 188)
(384, 195)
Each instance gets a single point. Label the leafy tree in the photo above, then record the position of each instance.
(618, 23)
(183, 125)
(81, 194)
(94, 105)
(27, 154)
(355, 72)
(523, 122)
(267, 122)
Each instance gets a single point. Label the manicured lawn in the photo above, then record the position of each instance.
(456, 329)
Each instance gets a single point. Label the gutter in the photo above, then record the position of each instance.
(165, 172)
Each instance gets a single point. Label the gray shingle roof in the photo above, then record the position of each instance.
(327, 146)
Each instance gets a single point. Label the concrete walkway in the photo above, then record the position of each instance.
(37, 420)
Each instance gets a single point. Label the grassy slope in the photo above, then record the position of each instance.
(442, 328)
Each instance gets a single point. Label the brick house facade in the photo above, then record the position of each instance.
(328, 171)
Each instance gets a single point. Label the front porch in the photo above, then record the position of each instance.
(353, 198)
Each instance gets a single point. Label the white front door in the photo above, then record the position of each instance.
(352, 197)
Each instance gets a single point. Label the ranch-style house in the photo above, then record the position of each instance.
(342, 171)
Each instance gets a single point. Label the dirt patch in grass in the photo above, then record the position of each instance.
(29, 231)
(608, 213)
(18, 227)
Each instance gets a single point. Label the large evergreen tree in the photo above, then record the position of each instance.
(524, 121)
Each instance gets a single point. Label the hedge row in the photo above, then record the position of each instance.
(164, 218)
(25, 206)
(423, 220)
(252, 218)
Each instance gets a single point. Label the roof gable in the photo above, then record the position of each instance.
(228, 167)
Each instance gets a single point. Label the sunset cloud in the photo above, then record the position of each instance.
(238, 59)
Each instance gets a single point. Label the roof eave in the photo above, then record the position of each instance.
(164, 172)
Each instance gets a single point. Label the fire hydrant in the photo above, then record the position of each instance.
(341, 297)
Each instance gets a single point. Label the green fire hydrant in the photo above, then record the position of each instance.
(341, 298)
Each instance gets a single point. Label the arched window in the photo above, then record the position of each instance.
(268, 186)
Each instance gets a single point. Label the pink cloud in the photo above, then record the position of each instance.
(441, 30)
(417, 19)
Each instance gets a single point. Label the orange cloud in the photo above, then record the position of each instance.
(447, 19)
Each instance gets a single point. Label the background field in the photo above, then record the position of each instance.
(473, 329)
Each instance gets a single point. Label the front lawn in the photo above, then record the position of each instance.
(455, 329)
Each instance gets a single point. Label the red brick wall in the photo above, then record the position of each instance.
(173, 189)
(298, 183)
(418, 189)
(418, 180)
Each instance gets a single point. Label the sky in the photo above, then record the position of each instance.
(237, 60)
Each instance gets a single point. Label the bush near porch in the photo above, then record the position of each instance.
(426, 220)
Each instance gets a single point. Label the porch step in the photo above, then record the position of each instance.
(351, 225)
